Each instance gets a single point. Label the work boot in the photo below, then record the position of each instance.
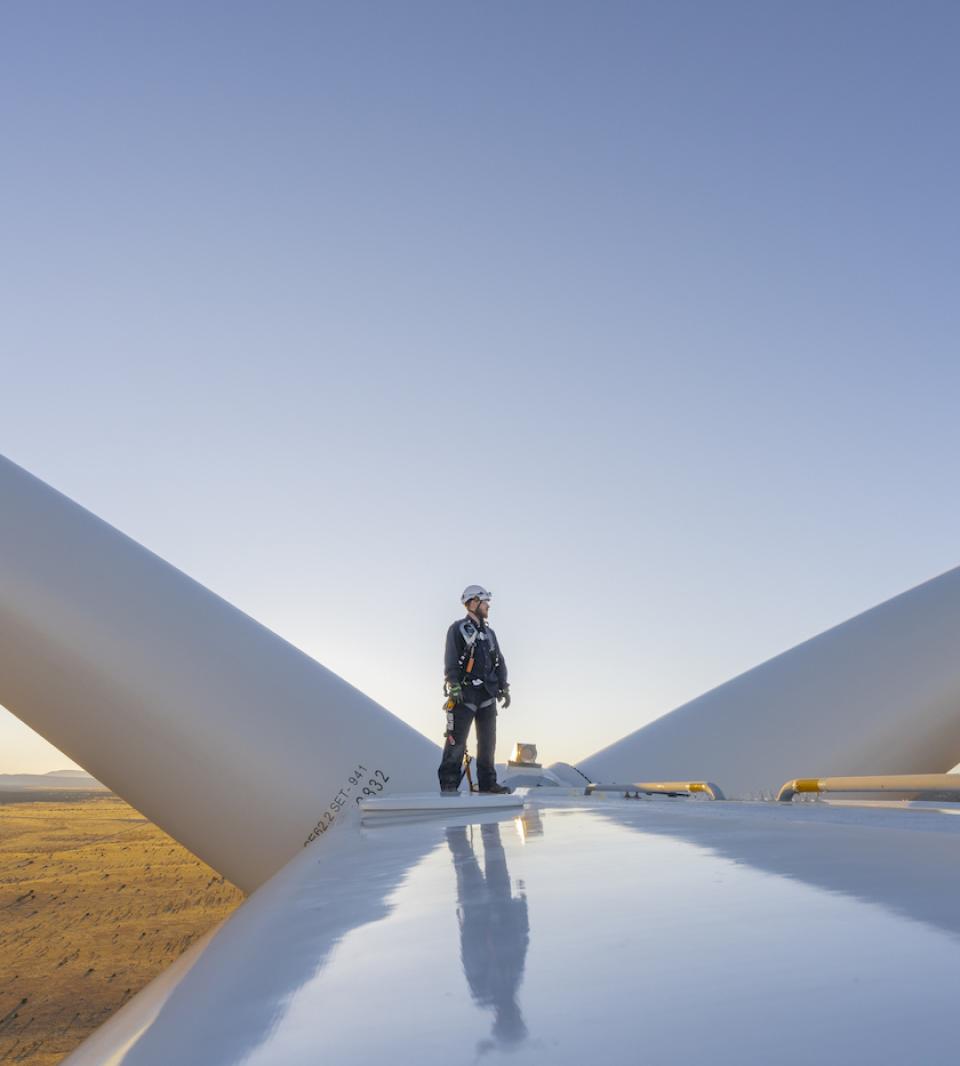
(498, 789)
(445, 791)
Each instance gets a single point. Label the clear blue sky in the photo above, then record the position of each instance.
(644, 315)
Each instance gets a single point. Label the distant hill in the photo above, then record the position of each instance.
(71, 779)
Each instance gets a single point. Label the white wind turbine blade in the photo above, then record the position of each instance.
(229, 738)
(879, 694)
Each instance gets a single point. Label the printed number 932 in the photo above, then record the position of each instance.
(374, 785)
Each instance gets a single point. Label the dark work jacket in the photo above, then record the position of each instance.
(489, 667)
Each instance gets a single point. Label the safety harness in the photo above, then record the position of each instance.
(470, 632)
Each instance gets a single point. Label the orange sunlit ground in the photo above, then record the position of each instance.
(95, 901)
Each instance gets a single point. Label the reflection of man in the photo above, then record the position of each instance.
(494, 931)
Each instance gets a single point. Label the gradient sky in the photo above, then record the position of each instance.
(644, 315)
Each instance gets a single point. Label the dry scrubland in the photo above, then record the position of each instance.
(95, 901)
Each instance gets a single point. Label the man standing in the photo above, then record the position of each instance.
(476, 677)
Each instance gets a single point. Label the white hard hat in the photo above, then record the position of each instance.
(475, 592)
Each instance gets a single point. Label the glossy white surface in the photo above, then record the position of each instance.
(586, 931)
(879, 694)
(432, 801)
(222, 733)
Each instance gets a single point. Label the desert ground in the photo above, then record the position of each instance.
(95, 901)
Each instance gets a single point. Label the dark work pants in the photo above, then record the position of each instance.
(464, 715)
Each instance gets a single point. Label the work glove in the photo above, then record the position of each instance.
(505, 697)
(455, 691)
